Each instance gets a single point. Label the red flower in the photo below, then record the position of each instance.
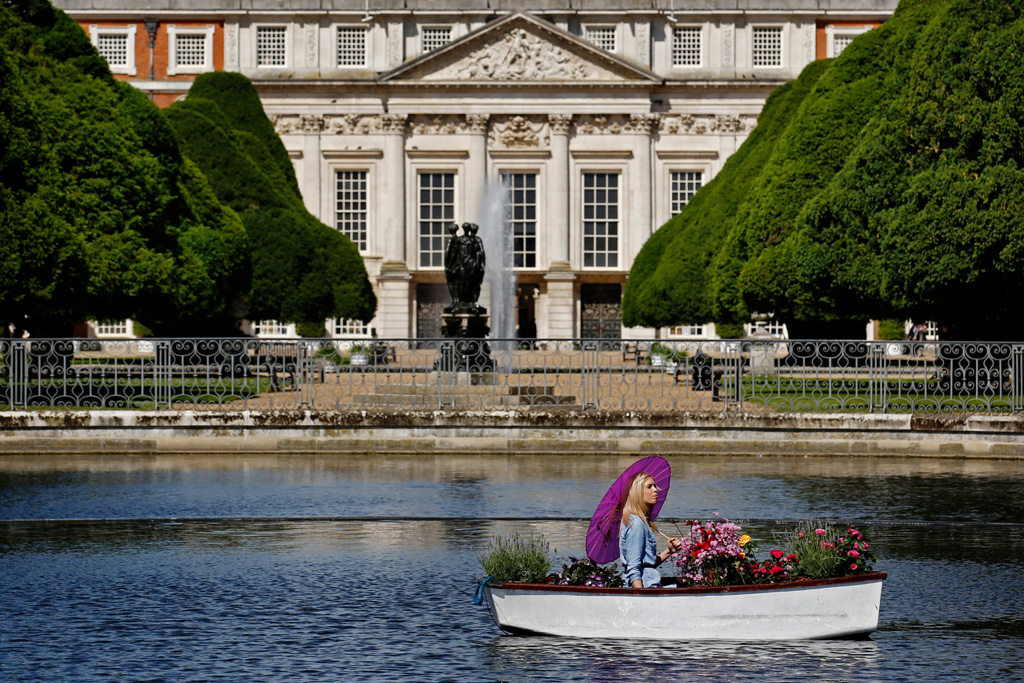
(777, 554)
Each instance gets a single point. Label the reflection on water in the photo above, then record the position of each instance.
(503, 486)
(160, 596)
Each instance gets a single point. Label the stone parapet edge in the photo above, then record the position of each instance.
(535, 432)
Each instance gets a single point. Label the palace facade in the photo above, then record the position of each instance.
(596, 120)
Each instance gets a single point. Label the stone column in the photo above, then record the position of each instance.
(394, 314)
(476, 168)
(311, 162)
(641, 206)
(560, 302)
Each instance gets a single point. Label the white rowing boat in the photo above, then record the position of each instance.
(844, 607)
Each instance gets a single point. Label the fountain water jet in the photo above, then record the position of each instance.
(496, 232)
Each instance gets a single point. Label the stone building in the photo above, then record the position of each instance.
(600, 117)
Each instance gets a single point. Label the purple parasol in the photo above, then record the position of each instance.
(603, 535)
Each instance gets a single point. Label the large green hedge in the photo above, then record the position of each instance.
(894, 189)
(100, 217)
(303, 271)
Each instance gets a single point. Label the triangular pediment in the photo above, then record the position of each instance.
(520, 48)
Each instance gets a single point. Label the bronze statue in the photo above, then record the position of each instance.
(464, 262)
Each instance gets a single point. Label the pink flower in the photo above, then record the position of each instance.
(841, 539)
(856, 544)
(853, 553)
(819, 531)
(800, 535)
(853, 566)
(777, 554)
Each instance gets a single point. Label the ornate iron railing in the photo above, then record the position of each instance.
(445, 374)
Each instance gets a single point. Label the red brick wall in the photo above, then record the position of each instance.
(821, 39)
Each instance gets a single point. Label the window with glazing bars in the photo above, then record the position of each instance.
(113, 47)
(275, 327)
(602, 36)
(767, 46)
(270, 46)
(436, 210)
(682, 186)
(522, 216)
(351, 46)
(341, 327)
(350, 215)
(434, 37)
(686, 331)
(190, 49)
(600, 220)
(686, 46)
(839, 44)
(112, 328)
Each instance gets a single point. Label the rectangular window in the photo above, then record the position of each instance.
(113, 47)
(682, 186)
(112, 329)
(271, 48)
(686, 331)
(436, 210)
(350, 215)
(600, 220)
(343, 327)
(351, 46)
(270, 328)
(433, 37)
(190, 49)
(839, 43)
(602, 36)
(522, 216)
(767, 46)
(116, 44)
(686, 46)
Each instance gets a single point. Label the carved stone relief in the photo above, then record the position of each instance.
(560, 123)
(520, 56)
(520, 132)
(312, 124)
(396, 31)
(643, 42)
(728, 31)
(231, 47)
(687, 124)
(438, 125)
(809, 30)
(477, 123)
(394, 123)
(286, 123)
(616, 124)
(353, 124)
(311, 45)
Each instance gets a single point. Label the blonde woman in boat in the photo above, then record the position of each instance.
(637, 545)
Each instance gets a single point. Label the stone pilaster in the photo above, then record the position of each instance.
(641, 207)
(476, 169)
(558, 221)
(393, 205)
(311, 129)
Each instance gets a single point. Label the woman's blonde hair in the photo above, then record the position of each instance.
(635, 504)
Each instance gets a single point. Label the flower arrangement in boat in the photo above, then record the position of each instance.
(586, 572)
(717, 553)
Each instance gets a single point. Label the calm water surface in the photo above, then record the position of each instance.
(341, 569)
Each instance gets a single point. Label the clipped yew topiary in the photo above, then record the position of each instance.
(303, 271)
(894, 189)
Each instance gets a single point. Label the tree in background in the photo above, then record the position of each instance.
(303, 271)
(100, 216)
(885, 184)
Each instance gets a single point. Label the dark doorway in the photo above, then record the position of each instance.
(601, 316)
(526, 311)
(430, 303)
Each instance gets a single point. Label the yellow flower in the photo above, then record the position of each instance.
(744, 539)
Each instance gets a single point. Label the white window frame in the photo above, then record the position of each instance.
(832, 32)
(273, 329)
(344, 328)
(538, 236)
(119, 329)
(687, 332)
(616, 36)
(368, 171)
(621, 227)
(256, 46)
(415, 207)
(702, 48)
(671, 189)
(129, 32)
(435, 27)
(173, 31)
(782, 45)
(679, 161)
(338, 28)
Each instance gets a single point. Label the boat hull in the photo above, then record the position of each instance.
(829, 608)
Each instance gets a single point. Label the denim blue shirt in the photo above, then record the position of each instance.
(639, 553)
